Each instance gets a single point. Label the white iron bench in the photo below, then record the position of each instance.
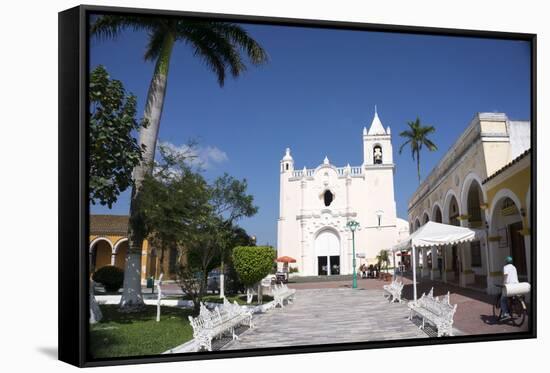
(394, 291)
(282, 292)
(211, 324)
(438, 312)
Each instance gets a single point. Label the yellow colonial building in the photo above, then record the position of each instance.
(509, 207)
(482, 182)
(109, 245)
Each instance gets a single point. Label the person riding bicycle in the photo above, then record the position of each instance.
(510, 276)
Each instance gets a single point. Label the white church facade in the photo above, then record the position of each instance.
(316, 204)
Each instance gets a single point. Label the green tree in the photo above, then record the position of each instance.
(114, 152)
(173, 202)
(237, 237)
(416, 137)
(221, 47)
(200, 254)
(383, 259)
(252, 264)
(230, 202)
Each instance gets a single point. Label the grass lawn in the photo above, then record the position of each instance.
(132, 334)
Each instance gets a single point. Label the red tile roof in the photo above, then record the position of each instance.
(109, 224)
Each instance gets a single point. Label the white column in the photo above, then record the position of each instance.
(113, 259)
(445, 252)
(433, 272)
(394, 264)
(487, 260)
(425, 262)
(414, 271)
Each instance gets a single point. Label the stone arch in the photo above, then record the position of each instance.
(437, 213)
(120, 250)
(511, 224)
(501, 194)
(417, 223)
(100, 253)
(118, 243)
(446, 205)
(98, 239)
(473, 200)
(466, 184)
(425, 217)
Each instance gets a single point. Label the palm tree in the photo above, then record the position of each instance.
(383, 258)
(417, 137)
(221, 47)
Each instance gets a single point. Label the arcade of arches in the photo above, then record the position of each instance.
(498, 209)
(109, 246)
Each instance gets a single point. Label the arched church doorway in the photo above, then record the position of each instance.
(327, 253)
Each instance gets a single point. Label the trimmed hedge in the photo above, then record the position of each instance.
(253, 263)
(109, 276)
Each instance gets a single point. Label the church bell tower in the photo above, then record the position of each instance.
(377, 148)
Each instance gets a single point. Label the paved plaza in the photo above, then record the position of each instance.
(327, 310)
(334, 315)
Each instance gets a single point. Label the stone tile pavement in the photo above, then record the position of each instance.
(336, 315)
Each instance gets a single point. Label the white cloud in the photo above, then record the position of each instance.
(204, 157)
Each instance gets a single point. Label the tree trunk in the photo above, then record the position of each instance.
(132, 299)
(260, 295)
(95, 311)
(418, 165)
(249, 294)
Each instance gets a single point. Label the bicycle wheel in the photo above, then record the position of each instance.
(497, 311)
(518, 312)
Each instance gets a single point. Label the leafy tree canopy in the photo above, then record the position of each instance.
(114, 151)
(173, 201)
(253, 263)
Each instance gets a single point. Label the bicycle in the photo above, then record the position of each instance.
(516, 306)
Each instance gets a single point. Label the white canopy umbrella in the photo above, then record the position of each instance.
(433, 234)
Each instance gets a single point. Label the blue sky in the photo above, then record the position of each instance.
(316, 94)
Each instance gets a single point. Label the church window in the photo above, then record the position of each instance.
(328, 197)
(377, 154)
(286, 166)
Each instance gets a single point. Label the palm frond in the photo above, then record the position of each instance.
(217, 51)
(430, 144)
(240, 38)
(110, 26)
(403, 145)
(154, 45)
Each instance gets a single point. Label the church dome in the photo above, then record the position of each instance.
(376, 127)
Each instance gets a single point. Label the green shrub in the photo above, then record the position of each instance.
(293, 270)
(109, 276)
(253, 263)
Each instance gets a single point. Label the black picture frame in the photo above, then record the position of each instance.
(73, 188)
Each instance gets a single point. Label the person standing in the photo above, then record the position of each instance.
(510, 276)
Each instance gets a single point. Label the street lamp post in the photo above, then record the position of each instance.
(352, 225)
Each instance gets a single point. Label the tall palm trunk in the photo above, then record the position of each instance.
(131, 297)
(418, 165)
